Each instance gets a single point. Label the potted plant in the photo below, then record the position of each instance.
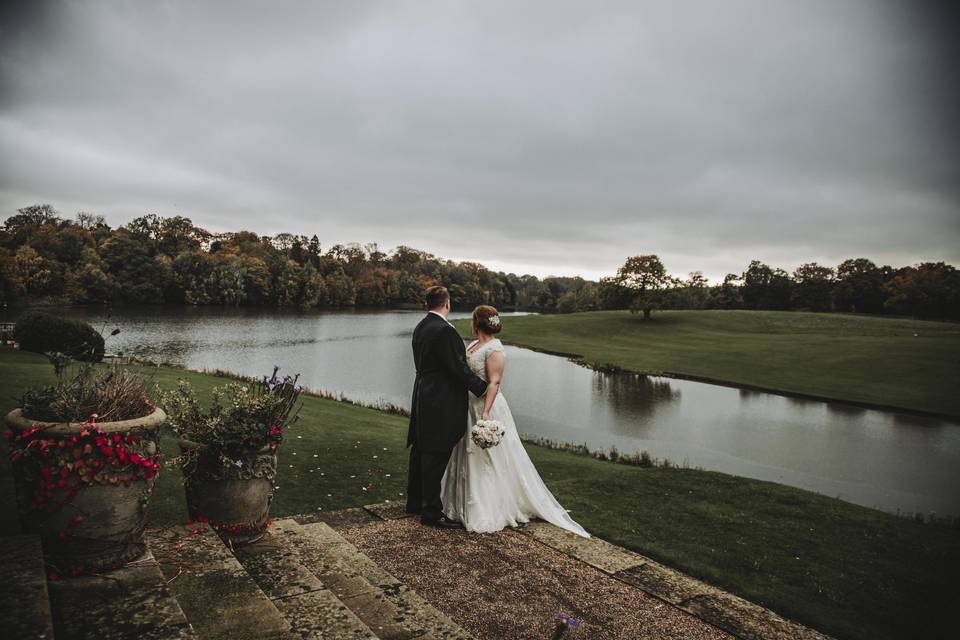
(229, 450)
(85, 456)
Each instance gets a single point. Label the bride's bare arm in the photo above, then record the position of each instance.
(495, 362)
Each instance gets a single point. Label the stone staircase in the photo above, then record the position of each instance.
(304, 580)
(298, 582)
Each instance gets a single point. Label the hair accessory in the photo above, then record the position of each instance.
(493, 321)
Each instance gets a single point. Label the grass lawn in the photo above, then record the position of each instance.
(893, 362)
(846, 570)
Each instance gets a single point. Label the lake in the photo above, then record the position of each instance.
(886, 460)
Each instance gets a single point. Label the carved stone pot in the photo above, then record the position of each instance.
(235, 500)
(88, 504)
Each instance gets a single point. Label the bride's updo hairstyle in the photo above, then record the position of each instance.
(486, 319)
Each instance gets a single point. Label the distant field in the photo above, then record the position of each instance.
(893, 362)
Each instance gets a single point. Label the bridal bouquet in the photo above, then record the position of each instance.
(487, 433)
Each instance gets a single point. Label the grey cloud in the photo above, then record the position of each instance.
(543, 136)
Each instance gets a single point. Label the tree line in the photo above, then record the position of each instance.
(48, 259)
(858, 285)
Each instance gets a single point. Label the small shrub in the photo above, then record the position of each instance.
(45, 332)
(243, 417)
(112, 393)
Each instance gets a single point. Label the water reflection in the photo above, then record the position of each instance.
(845, 410)
(877, 459)
(635, 395)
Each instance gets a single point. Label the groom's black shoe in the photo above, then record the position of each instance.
(443, 522)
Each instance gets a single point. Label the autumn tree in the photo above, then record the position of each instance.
(927, 290)
(137, 277)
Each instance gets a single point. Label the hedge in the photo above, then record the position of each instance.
(45, 332)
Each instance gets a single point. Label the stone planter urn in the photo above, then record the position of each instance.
(85, 489)
(235, 500)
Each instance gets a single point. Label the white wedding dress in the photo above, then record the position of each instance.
(489, 489)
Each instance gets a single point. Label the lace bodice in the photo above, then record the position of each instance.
(478, 359)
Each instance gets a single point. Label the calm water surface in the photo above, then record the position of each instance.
(878, 459)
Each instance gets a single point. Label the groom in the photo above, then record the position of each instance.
(438, 412)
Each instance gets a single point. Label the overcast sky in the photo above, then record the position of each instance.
(537, 137)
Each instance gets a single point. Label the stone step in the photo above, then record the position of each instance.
(219, 598)
(731, 613)
(24, 601)
(388, 607)
(313, 611)
(124, 604)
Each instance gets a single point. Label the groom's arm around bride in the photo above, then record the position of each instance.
(438, 410)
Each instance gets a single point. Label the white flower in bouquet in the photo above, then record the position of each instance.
(487, 433)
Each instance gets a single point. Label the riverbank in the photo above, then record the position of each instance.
(846, 570)
(876, 362)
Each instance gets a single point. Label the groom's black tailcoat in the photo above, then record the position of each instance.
(438, 411)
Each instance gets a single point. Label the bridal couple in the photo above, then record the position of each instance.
(452, 482)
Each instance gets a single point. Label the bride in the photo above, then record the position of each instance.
(489, 489)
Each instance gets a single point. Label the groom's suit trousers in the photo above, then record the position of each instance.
(423, 484)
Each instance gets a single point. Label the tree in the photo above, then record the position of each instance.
(812, 287)
(613, 295)
(193, 271)
(147, 228)
(225, 282)
(313, 251)
(647, 278)
(286, 283)
(370, 291)
(313, 287)
(727, 295)
(765, 288)
(87, 281)
(340, 291)
(588, 297)
(410, 289)
(298, 250)
(692, 293)
(136, 276)
(8, 285)
(567, 302)
(928, 290)
(256, 280)
(178, 234)
(33, 274)
(27, 220)
(859, 286)
(374, 255)
(90, 221)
